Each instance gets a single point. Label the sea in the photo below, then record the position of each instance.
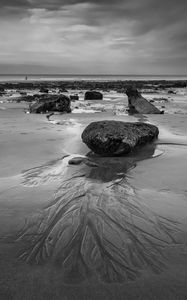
(45, 77)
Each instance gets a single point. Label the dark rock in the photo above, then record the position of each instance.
(82, 160)
(74, 97)
(76, 160)
(115, 138)
(93, 95)
(2, 91)
(23, 93)
(138, 104)
(46, 103)
(44, 90)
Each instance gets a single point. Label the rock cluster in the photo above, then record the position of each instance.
(115, 138)
(117, 85)
(46, 103)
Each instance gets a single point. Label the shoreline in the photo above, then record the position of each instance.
(90, 84)
(44, 185)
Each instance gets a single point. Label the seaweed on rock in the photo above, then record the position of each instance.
(101, 229)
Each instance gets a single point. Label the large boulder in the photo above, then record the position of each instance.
(115, 138)
(93, 95)
(138, 104)
(46, 103)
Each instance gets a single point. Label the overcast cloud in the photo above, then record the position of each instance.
(91, 37)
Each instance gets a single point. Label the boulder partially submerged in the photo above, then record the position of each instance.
(93, 95)
(47, 103)
(138, 104)
(115, 138)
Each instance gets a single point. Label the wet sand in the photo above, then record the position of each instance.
(113, 231)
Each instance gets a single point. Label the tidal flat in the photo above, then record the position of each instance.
(112, 229)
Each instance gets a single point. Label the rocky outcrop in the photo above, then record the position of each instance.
(46, 103)
(115, 138)
(93, 95)
(138, 104)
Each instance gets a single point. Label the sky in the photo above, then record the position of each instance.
(132, 37)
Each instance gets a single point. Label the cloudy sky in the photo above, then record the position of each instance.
(93, 37)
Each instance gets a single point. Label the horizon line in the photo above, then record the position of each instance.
(56, 74)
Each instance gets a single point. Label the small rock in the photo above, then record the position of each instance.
(93, 95)
(76, 160)
(74, 97)
(44, 90)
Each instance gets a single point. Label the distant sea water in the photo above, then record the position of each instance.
(20, 78)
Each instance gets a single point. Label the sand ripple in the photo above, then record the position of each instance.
(94, 228)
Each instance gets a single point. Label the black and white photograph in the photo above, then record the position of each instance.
(93, 150)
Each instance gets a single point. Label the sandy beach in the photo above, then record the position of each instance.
(115, 229)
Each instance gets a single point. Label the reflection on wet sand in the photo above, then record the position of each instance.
(96, 226)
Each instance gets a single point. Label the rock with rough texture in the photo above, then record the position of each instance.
(115, 138)
(93, 95)
(138, 104)
(46, 103)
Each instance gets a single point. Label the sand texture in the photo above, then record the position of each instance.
(106, 228)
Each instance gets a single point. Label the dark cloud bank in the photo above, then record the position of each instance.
(142, 36)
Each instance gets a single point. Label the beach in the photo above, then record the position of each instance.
(115, 229)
